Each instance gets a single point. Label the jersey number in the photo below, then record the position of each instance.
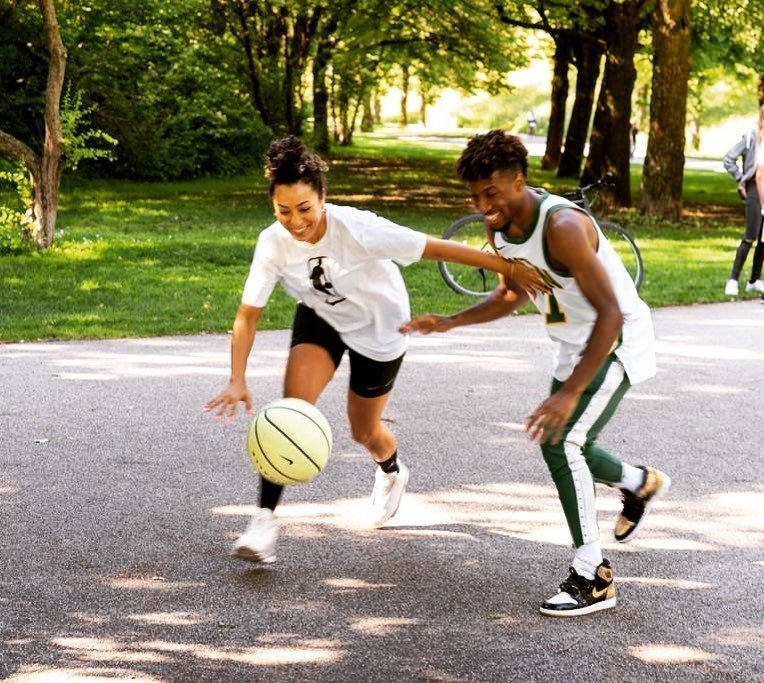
(554, 314)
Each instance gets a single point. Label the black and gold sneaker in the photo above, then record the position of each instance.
(578, 595)
(636, 505)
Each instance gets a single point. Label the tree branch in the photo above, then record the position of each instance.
(15, 148)
(54, 136)
(545, 25)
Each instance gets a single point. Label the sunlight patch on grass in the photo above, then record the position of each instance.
(87, 250)
(89, 285)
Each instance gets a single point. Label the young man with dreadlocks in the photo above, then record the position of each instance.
(604, 340)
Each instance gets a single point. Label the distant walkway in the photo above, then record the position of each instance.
(537, 144)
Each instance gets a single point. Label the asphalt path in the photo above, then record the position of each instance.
(120, 498)
(536, 146)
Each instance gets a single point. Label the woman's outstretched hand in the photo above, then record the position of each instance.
(226, 403)
(424, 324)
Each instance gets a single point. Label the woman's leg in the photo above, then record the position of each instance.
(391, 476)
(309, 369)
(367, 428)
(371, 383)
(758, 254)
(315, 353)
(752, 230)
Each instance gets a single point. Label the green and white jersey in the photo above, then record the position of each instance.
(568, 315)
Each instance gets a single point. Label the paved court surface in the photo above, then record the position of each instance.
(119, 500)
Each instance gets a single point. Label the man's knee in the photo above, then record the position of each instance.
(563, 456)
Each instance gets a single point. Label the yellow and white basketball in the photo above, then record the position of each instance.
(289, 441)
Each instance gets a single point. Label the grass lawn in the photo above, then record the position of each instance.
(137, 259)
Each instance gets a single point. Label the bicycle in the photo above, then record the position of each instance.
(471, 230)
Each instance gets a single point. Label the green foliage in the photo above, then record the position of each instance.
(15, 197)
(716, 95)
(79, 139)
(727, 53)
(161, 82)
(23, 72)
(136, 259)
(509, 111)
(727, 33)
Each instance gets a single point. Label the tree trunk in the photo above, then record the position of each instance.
(242, 34)
(588, 56)
(289, 84)
(609, 141)
(351, 123)
(321, 97)
(344, 114)
(405, 97)
(559, 99)
(367, 120)
(46, 172)
(334, 106)
(664, 164)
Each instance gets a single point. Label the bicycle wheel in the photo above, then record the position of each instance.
(626, 248)
(467, 279)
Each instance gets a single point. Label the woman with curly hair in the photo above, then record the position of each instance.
(337, 262)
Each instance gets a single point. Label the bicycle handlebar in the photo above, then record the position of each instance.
(606, 180)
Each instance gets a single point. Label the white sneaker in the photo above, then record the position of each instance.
(387, 493)
(258, 542)
(757, 286)
(731, 288)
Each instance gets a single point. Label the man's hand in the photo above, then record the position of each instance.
(424, 324)
(227, 401)
(547, 422)
(741, 190)
(529, 278)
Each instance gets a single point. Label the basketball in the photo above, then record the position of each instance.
(289, 441)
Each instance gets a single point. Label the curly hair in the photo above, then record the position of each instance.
(289, 161)
(495, 150)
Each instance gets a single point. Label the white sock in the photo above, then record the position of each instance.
(588, 558)
(632, 478)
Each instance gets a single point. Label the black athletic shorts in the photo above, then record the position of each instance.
(368, 378)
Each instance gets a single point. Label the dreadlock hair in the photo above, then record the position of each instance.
(289, 161)
(494, 151)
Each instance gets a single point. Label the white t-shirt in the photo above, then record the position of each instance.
(348, 277)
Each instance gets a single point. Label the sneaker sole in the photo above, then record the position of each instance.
(377, 523)
(253, 556)
(589, 609)
(664, 489)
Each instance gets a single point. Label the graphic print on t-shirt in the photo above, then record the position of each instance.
(320, 280)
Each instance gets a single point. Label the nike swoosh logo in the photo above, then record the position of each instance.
(283, 457)
(598, 594)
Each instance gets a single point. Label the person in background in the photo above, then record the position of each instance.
(633, 130)
(531, 122)
(750, 185)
